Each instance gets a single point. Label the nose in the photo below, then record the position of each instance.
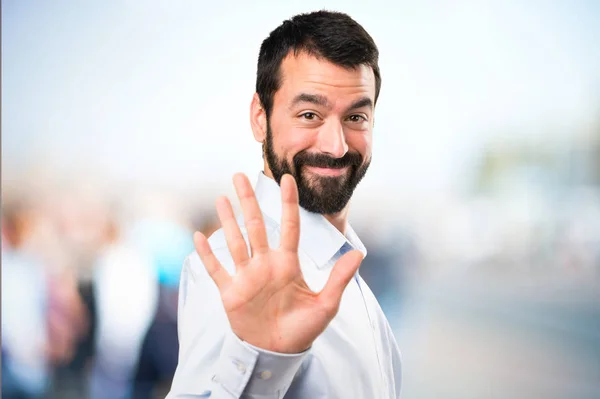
(332, 140)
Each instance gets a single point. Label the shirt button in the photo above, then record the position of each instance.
(240, 366)
(265, 375)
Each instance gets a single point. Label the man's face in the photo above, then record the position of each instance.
(320, 130)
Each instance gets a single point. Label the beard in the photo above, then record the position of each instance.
(325, 195)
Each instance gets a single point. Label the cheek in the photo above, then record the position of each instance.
(301, 139)
(361, 143)
(290, 141)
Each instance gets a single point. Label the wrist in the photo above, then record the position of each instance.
(274, 348)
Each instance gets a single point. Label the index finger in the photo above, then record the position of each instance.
(290, 214)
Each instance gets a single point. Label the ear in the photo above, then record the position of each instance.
(258, 119)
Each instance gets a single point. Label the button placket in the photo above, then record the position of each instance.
(372, 315)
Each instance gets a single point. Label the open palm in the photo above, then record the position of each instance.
(267, 301)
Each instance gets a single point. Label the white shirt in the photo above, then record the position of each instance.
(355, 357)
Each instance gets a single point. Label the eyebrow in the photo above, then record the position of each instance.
(310, 98)
(320, 100)
(363, 102)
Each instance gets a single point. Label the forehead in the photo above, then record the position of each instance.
(303, 73)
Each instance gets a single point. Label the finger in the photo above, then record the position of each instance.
(343, 271)
(253, 218)
(212, 265)
(290, 216)
(233, 235)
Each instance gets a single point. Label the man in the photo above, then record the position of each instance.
(277, 309)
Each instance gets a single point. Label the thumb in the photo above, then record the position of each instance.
(343, 271)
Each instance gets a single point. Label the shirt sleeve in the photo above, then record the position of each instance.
(213, 362)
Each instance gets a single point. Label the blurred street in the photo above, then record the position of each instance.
(122, 124)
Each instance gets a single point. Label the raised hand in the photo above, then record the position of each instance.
(267, 301)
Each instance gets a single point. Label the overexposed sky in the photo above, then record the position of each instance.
(161, 90)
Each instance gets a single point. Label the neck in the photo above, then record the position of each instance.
(339, 220)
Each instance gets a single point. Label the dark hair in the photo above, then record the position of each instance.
(333, 36)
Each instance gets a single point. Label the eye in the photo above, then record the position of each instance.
(357, 118)
(309, 116)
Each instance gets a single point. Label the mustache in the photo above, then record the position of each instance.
(325, 161)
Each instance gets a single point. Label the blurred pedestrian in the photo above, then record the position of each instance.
(25, 363)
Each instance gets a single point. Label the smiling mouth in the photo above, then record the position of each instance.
(327, 171)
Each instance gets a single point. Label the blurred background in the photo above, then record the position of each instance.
(122, 122)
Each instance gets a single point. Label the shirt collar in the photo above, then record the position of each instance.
(319, 239)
